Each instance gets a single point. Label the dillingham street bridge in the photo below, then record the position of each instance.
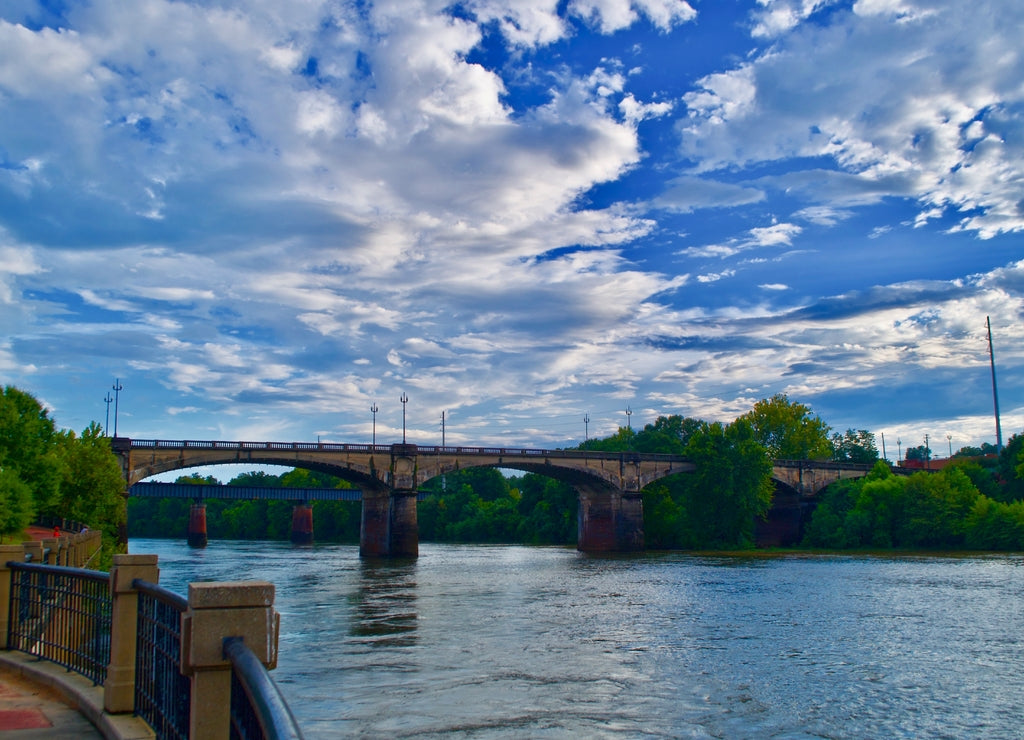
(609, 484)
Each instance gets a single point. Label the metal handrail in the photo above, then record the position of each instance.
(273, 718)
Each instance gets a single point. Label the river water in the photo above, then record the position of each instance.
(527, 642)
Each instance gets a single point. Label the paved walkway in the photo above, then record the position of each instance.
(31, 711)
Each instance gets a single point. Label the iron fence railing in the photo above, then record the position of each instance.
(71, 617)
(258, 711)
(163, 696)
(61, 615)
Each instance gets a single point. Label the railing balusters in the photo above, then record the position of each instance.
(61, 615)
(162, 692)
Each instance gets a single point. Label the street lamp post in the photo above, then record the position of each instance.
(106, 427)
(629, 413)
(374, 410)
(404, 399)
(117, 393)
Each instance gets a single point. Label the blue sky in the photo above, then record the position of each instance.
(265, 217)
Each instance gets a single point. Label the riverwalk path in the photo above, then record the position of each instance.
(41, 701)
(33, 711)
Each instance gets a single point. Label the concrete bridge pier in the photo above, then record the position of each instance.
(388, 528)
(610, 521)
(302, 524)
(197, 525)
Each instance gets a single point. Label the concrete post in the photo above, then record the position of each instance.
(53, 545)
(35, 549)
(610, 521)
(389, 527)
(197, 525)
(217, 611)
(119, 688)
(8, 553)
(302, 524)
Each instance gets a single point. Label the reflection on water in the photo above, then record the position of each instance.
(512, 642)
(385, 603)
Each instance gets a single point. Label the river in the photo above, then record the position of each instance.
(527, 642)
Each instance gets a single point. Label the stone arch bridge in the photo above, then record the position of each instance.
(609, 484)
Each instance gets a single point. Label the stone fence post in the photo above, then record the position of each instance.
(119, 688)
(8, 553)
(217, 611)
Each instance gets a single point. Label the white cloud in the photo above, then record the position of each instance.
(614, 15)
(916, 96)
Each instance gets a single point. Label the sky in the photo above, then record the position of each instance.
(543, 219)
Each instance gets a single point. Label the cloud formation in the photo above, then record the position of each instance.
(265, 218)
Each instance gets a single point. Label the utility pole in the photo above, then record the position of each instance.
(106, 427)
(117, 393)
(899, 451)
(884, 456)
(586, 427)
(927, 453)
(629, 413)
(404, 399)
(949, 438)
(442, 429)
(995, 395)
(374, 410)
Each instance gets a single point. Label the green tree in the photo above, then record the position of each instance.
(995, 525)
(1008, 469)
(548, 510)
(788, 430)
(16, 505)
(28, 447)
(855, 447)
(92, 487)
(921, 452)
(732, 482)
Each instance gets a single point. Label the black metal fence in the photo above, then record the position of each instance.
(62, 615)
(163, 696)
(258, 710)
(65, 616)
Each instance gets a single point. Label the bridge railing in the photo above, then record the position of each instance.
(171, 661)
(124, 443)
(823, 465)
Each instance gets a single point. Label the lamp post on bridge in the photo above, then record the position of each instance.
(374, 410)
(106, 427)
(117, 394)
(404, 399)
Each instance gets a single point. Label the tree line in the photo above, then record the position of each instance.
(975, 502)
(45, 471)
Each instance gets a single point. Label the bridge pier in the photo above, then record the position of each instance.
(610, 521)
(197, 525)
(388, 527)
(302, 524)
